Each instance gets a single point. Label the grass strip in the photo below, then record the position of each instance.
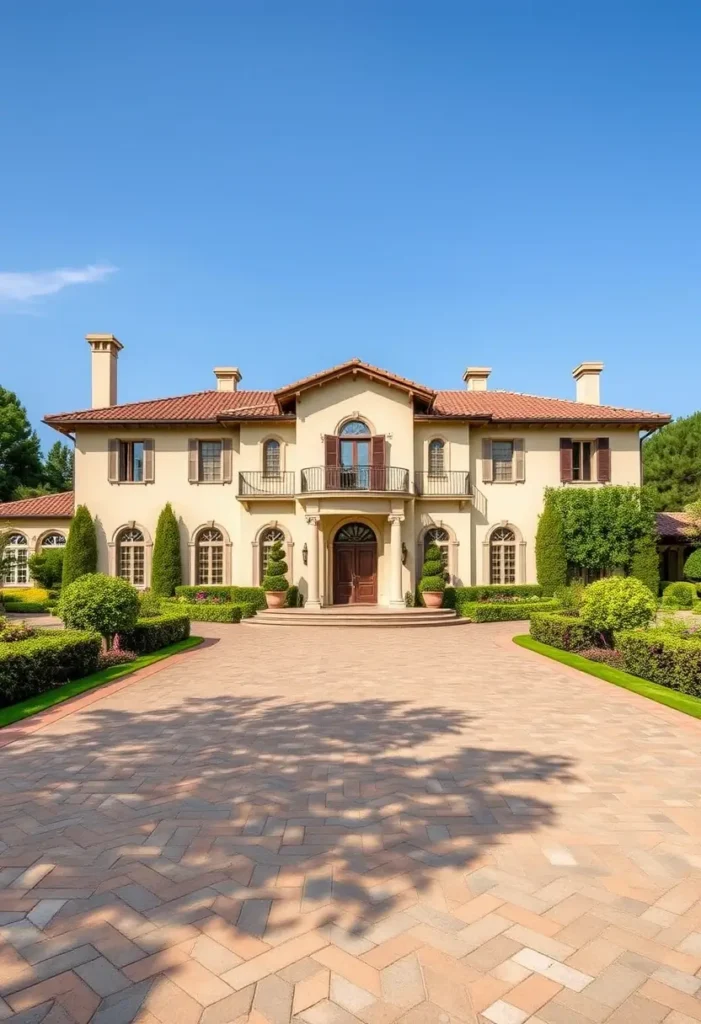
(42, 701)
(683, 702)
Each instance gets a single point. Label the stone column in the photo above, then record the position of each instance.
(395, 561)
(313, 590)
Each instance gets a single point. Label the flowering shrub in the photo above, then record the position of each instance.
(12, 632)
(115, 657)
(617, 603)
(604, 655)
(202, 597)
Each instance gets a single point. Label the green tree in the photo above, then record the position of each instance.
(550, 553)
(80, 555)
(105, 604)
(166, 572)
(58, 467)
(22, 492)
(602, 525)
(47, 568)
(645, 565)
(672, 464)
(20, 453)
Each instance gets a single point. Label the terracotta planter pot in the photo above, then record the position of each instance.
(275, 598)
(433, 598)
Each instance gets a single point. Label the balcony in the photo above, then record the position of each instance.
(383, 479)
(257, 484)
(451, 484)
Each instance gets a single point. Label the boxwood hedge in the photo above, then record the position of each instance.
(661, 657)
(502, 611)
(567, 632)
(159, 631)
(52, 657)
(200, 611)
(237, 595)
(488, 593)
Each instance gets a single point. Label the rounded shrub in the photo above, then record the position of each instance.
(679, 595)
(692, 566)
(47, 568)
(106, 604)
(432, 573)
(617, 603)
(274, 580)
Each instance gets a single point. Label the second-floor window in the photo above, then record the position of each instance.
(436, 457)
(210, 461)
(582, 460)
(585, 460)
(503, 460)
(131, 461)
(271, 458)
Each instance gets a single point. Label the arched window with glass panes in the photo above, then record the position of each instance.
(502, 556)
(131, 556)
(209, 557)
(53, 540)
(268, 538)
(441, 538)
(271, 459)
(16, 570)
(436, 457)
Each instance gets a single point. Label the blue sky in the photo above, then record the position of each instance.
(281, 186)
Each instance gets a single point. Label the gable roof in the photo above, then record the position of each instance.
(355, 366)
(671, 525)
(55, 506)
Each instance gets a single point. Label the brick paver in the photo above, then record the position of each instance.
(420, 826)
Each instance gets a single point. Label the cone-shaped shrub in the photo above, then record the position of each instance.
(692, 566)
(432, 578)
(274, 580)
(645, 565)
(550, 554)
(80, 556)
(166, 572)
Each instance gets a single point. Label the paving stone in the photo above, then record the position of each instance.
(102, 977)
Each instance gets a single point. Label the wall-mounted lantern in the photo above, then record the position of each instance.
(305, 553)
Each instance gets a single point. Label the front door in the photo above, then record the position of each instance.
(355, 565)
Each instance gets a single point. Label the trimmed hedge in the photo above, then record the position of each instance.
(151, 634)
(485, 593)
(503, 611)
(200, 611)
(20, 607)
(237, 595)
(29, 667)
(663, 658)
(679, 595)
(567, 632)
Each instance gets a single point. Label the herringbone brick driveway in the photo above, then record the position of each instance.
(354, 825)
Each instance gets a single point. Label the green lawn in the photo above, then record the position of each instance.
(32, 706)
(662, 694)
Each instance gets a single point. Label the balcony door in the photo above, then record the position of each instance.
(355, 565)
(355, 459)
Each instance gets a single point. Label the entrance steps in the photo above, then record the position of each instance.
(358, 616)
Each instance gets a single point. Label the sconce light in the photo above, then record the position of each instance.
(405, 553)
(305, 554)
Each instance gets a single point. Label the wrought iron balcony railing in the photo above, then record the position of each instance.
(262, 485)
(452, 483)
(355, 478)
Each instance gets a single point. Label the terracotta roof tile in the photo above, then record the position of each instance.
(510, 406)
(54, 505)
(350, 365)
(200, 407)
(670, 525)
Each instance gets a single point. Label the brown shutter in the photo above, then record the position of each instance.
(487, 466)
(226, 460)
(377, 459)
(193, 469)
(519, 460)
(565, 459)
(603, 460)
(148, 461)
(332, 458)
(113, 461)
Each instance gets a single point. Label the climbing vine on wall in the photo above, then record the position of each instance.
(602, 525)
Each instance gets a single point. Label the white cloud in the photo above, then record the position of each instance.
(23, 287)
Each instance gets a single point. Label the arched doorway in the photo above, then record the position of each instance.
(355, 565)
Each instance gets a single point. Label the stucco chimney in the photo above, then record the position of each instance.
(587, 377)
(105, 350)
(475, 377)
(228, 377)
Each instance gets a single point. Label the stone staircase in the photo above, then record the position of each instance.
(358, 616)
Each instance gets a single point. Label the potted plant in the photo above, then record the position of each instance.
(274, 583)
(432, 582)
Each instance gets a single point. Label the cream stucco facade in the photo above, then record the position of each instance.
(419, 461)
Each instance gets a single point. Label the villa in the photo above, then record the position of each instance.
(355, 469)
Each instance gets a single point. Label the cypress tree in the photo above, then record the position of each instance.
(166, 571)
(645, 564)
(550, 554)
(80, 555)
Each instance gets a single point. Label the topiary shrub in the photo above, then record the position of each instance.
(80, 556)
(645, 565)
(550, 552)
(679, 595)
(432, 578)
(617, 603)
(105, 604)
(692, 566)
(47, 568)
(166, 570)
(274, 580)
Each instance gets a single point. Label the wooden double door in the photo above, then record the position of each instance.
(355, 565)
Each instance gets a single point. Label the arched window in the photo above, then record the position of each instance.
(130, 556)
(271, 458)
(440, 537)
(502, 556)
(53, 540)
(16, 571)
(210, 557)
(354, 428)
(267, 540)
(436, 457)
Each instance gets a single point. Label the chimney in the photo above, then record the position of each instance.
(475, 377)
(228, 377)
(105, 350)
(587, 378)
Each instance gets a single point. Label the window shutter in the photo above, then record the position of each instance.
(226, 460)
(603, 460)
(377, 460)
(193, 468)
(565, 460)
(519, 460)
(113, 461)
(332, 451)
(487, 466)
(149, 460)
